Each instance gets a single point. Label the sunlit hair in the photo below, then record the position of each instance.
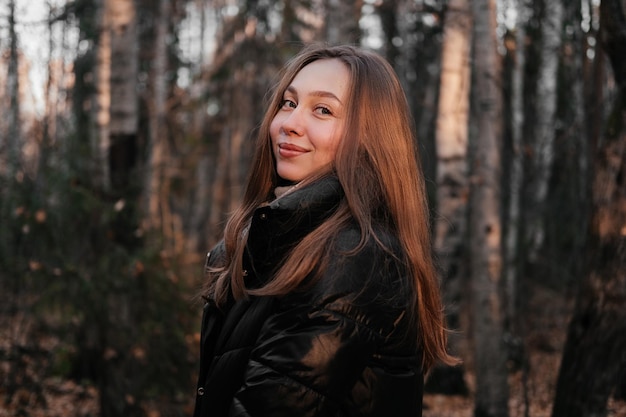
(377, 165)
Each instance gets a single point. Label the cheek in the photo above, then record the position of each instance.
(332, 151)
(331, 145)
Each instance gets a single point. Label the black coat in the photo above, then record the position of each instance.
(341, 347)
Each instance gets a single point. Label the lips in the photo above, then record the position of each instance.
(289, 150)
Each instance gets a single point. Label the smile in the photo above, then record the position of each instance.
(288, 150)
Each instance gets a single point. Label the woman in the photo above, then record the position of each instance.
(322, 299)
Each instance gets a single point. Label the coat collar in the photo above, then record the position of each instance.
(280, 225)
(320, 195)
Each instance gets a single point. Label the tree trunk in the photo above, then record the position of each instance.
(228, 178)
(516, 171)
(12, 286)
(513, 180)
(452, 184)
(241, 99)
(154, 174)
(118, 119)
(543, 149)
(568, 199)
(342, 21)
(418, 66)
(13, 92)
(100, 125)
(51, 99)
(485, 223)
(116, 110)
(124, 105)
(593, 357)
(63, 107)
(387, 12)
(200, 209)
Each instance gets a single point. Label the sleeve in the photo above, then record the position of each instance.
(310, 355)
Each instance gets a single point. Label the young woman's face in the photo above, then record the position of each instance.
(306, 130)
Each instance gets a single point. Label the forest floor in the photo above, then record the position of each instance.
(56, 397)
(531, 392)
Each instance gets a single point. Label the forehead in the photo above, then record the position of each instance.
(324, 74)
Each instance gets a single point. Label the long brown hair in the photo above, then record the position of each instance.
(376, 161)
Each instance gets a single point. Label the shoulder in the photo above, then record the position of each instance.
(215, 257)
(367, 279)
(380, 243)
(376, 259)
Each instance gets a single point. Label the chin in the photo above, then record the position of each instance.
(290, 179)
(290, 176)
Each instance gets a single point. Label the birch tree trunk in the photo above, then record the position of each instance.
(543, 149)
(124, 105)
(119, 120)
(593, 357)
(452, 184)
(116, 110)
(485, 223)
(100, 126)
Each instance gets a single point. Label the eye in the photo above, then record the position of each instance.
(323, 110)
(286, 103)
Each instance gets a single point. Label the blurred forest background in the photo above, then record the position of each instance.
(125, 136)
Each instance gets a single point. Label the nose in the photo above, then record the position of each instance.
(292, 124)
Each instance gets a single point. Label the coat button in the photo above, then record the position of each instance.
(245, 272)
(201, 391)
(263, 216)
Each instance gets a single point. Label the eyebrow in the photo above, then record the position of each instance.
(317, 93)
